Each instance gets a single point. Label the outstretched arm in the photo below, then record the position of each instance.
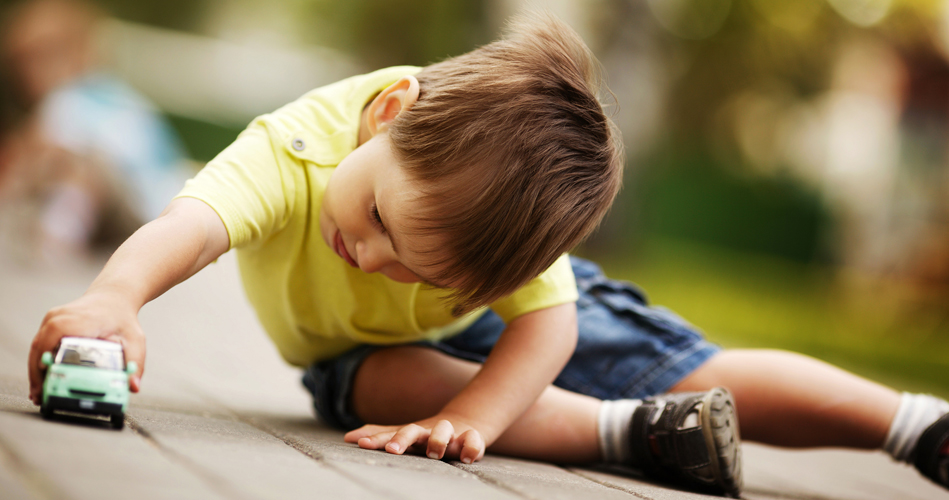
(187, 236)
(527, 358)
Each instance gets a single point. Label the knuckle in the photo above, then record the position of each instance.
(55, 323)
(52, 313)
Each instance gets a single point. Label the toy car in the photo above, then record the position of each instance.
(88, 376)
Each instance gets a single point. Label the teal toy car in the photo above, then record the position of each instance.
(87, 376)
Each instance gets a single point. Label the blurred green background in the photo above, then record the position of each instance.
(787, 182)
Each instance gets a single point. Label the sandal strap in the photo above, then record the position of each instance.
(663, 443)
(642, 455)
(928, 451)
(686, 449)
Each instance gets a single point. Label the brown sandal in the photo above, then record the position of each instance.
(691, 438)
(932, 452)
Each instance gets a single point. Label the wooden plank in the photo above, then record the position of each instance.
(627, 480)
(81, 459)
(405, 476)
(540, 480)
(833, 473)
(243, 461)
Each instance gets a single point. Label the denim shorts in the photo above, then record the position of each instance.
(626, 349)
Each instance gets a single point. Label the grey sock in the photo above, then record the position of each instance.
(916, 413)
(612, 429)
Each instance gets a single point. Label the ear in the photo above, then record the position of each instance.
(395, 99)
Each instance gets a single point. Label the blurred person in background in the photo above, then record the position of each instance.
(84, 158)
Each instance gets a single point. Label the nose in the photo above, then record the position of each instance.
(371, 256)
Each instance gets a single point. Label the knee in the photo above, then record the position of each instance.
(386, 377)
(403, 365)
(387, 360)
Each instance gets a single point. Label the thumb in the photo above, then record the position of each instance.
(134, 347)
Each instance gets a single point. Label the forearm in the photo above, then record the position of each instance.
(187, 236)
(526, 359)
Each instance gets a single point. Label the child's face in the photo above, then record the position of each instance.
(367, 187)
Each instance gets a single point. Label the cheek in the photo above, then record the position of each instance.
(335, 198)
(332, 213)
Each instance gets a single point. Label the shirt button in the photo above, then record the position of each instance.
(298, 144)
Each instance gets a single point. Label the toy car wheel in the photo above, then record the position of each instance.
(46, 411)
(118, 421)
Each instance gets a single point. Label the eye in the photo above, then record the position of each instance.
(376, 218)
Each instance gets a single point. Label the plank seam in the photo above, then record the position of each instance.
(301, 447)
(213, 480)
(608, 484)
(494, 482)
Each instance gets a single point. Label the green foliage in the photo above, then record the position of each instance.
(203, 140)
(775, 43)
(761, 43)
(392, 32)
(688, 195)
(183, 15)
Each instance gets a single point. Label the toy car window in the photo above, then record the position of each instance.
(90, 356)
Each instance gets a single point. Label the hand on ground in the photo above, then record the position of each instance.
(437, 437)
(102, 316)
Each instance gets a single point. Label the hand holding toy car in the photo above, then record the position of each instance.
(105, 315)
(87, 376)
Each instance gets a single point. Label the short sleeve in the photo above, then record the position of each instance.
(553, 287)
(247, 186)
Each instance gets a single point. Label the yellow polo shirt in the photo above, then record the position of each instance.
(268, 186)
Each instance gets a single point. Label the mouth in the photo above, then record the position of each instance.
(340, 249)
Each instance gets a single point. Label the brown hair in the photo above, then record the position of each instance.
(517, 159)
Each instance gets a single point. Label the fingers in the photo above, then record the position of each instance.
(376, 441)
(32, 366)
(133, 344)
(472, 446)
(438, 440)
(89, 316)
(355, 435)
(370, 437)
(50, 332)
(406, 437)
(36, 375)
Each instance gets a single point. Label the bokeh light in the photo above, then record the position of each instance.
(691, 19)
(862, 12)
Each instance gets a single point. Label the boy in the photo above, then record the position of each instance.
(377, 217)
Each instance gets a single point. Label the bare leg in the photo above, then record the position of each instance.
(788, 399)
(783, 398)
(406, 384)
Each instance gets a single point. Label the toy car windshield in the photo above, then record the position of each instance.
(91, 353)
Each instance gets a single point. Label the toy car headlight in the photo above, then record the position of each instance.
(56, 375)
(119, 383)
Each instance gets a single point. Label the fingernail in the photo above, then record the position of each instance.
(394, 447)
(433, 455)
(466, 460)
